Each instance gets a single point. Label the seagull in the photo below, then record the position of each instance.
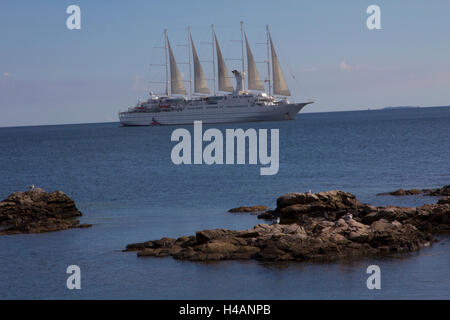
(277, 221)
(31, 188)
(348, 216)
(309, 191)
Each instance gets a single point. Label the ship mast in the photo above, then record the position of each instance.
(213, 58)
(242, 48)
(268, 60)
(189, 54)
(167, 62)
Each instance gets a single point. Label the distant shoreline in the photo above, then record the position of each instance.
(401, 108)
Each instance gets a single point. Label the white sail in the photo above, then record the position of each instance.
(254, 80)
(176, 81)
(200, 84)
(279, 82)
(223, 75)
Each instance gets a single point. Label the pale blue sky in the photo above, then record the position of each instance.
(50, 74)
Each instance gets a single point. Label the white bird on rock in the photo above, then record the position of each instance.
(348, 216)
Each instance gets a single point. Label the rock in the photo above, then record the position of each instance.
(268, 215)
(359, 237)
(445, 200)
(271, 253)
(309, 209)
(139, 246)
(305, 207)
(314, 227)
(296, 198)
(444, 191)
(219, 246)
(399, 192)
(371, 217)
(164, 243)
(37, 211)
(259, 208)
(438, 192)
(345, 238)
(208, 235)
(381, 225)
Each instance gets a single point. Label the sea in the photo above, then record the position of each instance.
(124, 182)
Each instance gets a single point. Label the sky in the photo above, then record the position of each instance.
(52, 75)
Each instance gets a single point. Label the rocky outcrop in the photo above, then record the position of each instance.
(309, 208)
(432, 218)
(438, 192)
(278, 242)
(259, 208)
(37, 211)
(304, 207)
(321, 226)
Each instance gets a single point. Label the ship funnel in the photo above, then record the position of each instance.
(239, 81)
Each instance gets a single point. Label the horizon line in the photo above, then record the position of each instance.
(388, 108)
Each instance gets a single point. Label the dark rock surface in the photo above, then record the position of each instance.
(321, 226)
(259, 208)
(308, 208)
(304, 207)
(438, 192)
(37, 211)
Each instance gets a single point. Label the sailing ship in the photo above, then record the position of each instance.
(227, 104)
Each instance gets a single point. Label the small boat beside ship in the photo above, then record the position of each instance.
(235, 104)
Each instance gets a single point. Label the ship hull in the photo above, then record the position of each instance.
(213, 114)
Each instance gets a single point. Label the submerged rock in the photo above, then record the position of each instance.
(259, 208)
(438, 192)
(322, 226)
(37, 211)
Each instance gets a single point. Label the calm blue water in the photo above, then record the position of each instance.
(124, 182)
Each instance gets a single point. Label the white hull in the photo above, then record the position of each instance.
(213, 114)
